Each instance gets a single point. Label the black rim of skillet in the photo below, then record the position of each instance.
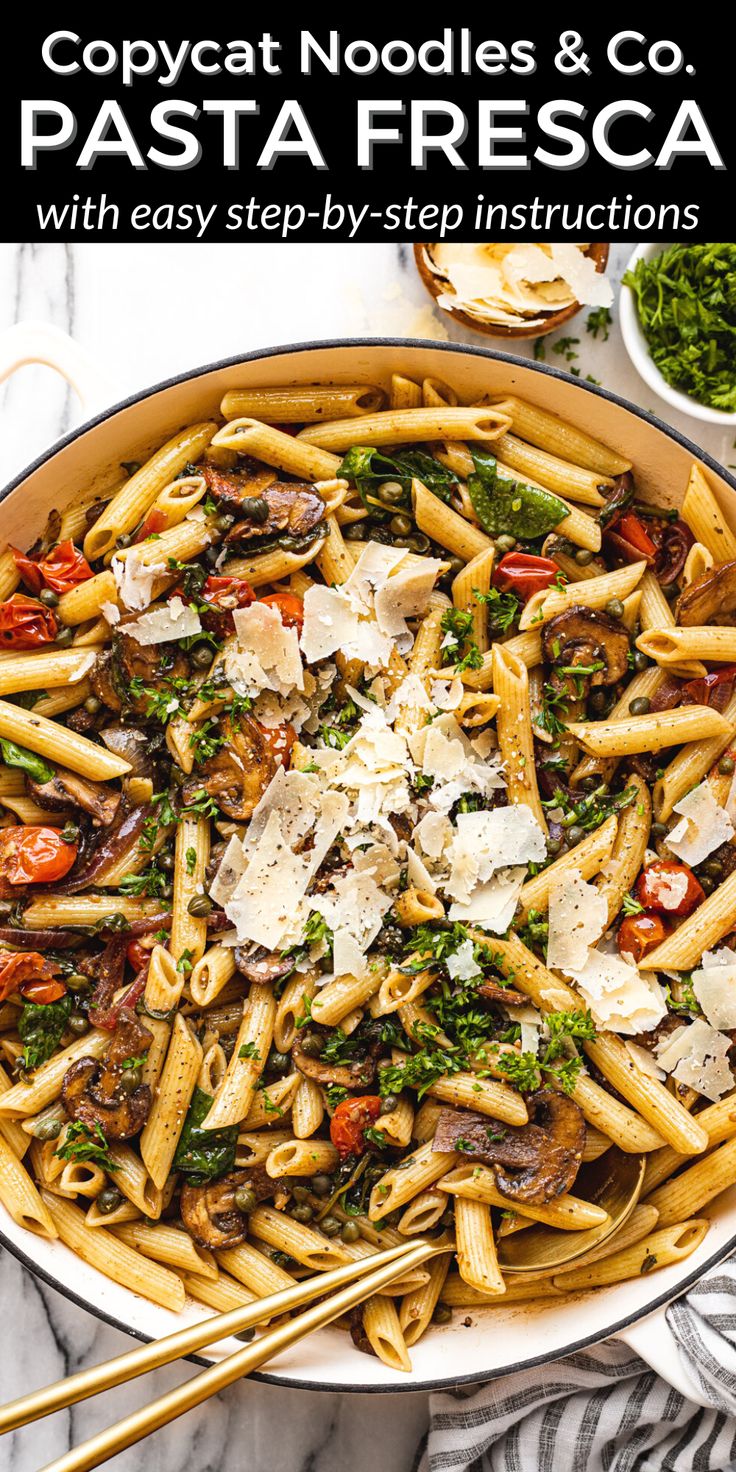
(449, 1382)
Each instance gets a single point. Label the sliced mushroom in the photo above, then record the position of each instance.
(581, 637)
(92, 1091)
(95, 798)
(545, 1153)
(233, 487)
(209, 1212)
(710, 599)
(494, 992)
(293, 507)
(151, 664)
(239, 773)
(101, 680)
(355, 1075)
(262, 966)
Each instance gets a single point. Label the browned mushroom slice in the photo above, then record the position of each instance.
(210, 1214)
(353, 1075)
(294, 507)
(262, 966)
(147, 664)
(232, 487)
(93, 1091)
(101, 680)
(95, 798)
(589, 640)
(493, 992)
(545, 1153)
(710, 599)
(239, 773)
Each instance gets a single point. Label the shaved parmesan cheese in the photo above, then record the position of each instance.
(267, 657)
(174, 620)
(487, 841)
(516, 284)
(621, 998)
(447, 694)
(714, 985)
(135, 580)
(704, 826)
(232, 868)
(461, 964)
(589, 287)
(577, 919)
(492, 904)
(418, 874)
(405, 595)
(434, 833)
(697, 1055)
(264, 906)
(374, 566)
(331, 623)
(111, 612)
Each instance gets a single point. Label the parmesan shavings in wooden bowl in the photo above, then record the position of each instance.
(514, 289)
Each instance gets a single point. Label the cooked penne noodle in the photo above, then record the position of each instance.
(165, 1122)
(302, 1243)
(165, 1243)
(404, 393)
(234, 1097)
(418, 1170)
(45, 669)
(487, 1095)
(677, 646)
(307, 1111)
(20, 1197)
(397, 427)
(189, 932)
(446, 526)
(698, 933)
(691, 765)
(587, 858)
(548, 432)
(666, 1245)
(211, 973)
(560, 476)
(249, 436)
(593, 593)
(703, 515)
(309, 405)
(60, 744)
(301, 1158)
(130, 504)
(629, 848)
(652, 732)
(478, 1183)
(417, 1308)
(476, 1249)
(115, 1259)
(467, 591)
(514, 728)
(383, 1332)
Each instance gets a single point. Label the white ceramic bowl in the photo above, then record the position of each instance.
(504, 1339)
(637, 348)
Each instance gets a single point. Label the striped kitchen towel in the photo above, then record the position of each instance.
(603, 1410)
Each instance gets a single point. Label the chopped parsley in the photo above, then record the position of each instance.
(83, 1143)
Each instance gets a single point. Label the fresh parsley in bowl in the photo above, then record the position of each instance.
(678, 318)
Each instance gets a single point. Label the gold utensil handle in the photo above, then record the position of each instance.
(186, 1341)
(159, 1413)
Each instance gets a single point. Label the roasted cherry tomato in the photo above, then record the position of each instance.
(34, 855)
(670, 888)
(280, 741)
(292, 608)
(350, 1121)
(630, 528)
(714, 689)
(639, 934)
(138, 952)
(22, 970)
(62, 568)
(154, 523)
(223, 595)
(25, 623)
(43, 992)
(524, 574)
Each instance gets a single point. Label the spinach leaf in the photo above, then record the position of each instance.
(368, 468)
(203, 1154)
(19, 756)
(503, 504)
(41, 1026)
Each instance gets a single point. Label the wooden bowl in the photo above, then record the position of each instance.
(552, 320)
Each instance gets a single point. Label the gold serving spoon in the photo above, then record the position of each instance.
(613, 1182)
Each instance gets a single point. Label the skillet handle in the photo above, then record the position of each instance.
(40, 342)
(653, 1340)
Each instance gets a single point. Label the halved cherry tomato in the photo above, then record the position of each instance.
(713, 689)
(223, 595)
(524, 574)
(280, 741)
(25, 623)
(34, 855)
(292, 608)
(20, 970)
(43, 992)
(62, 568)
(638, 934)
(670, 888)
(138, 952)
(631, 529)
(154, 523)
(350, 1121)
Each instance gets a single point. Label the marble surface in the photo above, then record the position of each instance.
(143, 313)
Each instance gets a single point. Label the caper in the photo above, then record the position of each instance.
(726, 766)
(355, 532)
(583, 556)
(554, 845)
(615, 608)
(76, 981)
(224, 522)
(311, 1044)
(200, 906)
(300, 1194)
(350, 1232)
(78, 1024)
(166, 860)
(590, 783)
(714, 867)
(659, 830)
(391, 493)
(574, 834)
(124, 540)
(278, 1062)
(401, 526)
(321, 1185)
(130, 1080)
(302, 1213)
(46, 1129)
(92, 705)
(597, 701)
(109, 1200)
(641, 661)
(167, 891)
(49, 597)
(505, 543)
(402, 542)
(565, 546)
(456, 566)
(245, 1199)
(640, 706)
(671, 591)
(202, 656)
(442, 1313)
(419, 543)
(390, 1102)
(707, 883)
(245, 1335)
(64, 636)
(330, 1226)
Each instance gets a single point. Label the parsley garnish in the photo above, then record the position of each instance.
(83, 1143)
